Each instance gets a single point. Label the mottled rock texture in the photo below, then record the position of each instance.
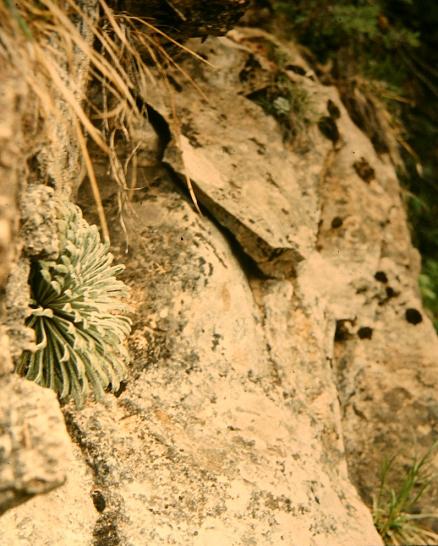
(360, 266)
(279, 347)
(36, 457)
(34, 445)
(35, 449)
(12, 94)
(214, 440)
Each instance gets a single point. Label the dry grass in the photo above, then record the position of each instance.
(55, 55)
(393, 509)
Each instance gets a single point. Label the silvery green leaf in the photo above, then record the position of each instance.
(77, 315)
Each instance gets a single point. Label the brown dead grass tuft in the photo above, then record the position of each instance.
(43, 40)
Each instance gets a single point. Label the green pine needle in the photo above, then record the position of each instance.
(76, 315)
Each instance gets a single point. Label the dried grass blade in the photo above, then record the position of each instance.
(93, 182)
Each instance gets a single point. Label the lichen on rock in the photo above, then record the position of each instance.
(277, 340)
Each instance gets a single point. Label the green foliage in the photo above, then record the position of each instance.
(423, 206)
(393, 510)
(289, 103)
(15, 14)
(429, 288)
(76, 315)
(327, 26)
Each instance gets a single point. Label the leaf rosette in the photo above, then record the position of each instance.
(77, 316)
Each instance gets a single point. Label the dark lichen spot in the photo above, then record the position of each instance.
(397, 398)
(176, 85)
(413, 316)
(296, 69)
(105, 532)
(333, 109)
(337, 222)
(215, 341)
(364, 170)
(261, 148)
(191, 134)
(365, 332)
(251, 64)
(342, 332)
(328, 128)
(98, 500)
(390, 292)
(271, 180)
(381, 276)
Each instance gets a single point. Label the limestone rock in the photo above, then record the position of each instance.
(33, 442)
(34, 446)
(362, 268)
(242, 172)
(66, 515)
(39, 465)
(215, 440)
(39, 218)
(269, 348)
(386, 349)
(12, 95)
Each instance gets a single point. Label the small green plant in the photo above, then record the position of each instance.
(288, 102)
(428, 282)
(393, 510)
(76, 315)
(366, 27)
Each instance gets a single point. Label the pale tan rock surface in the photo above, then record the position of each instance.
(386, 349)
(265, 354)
(268, 202)
(215, 439)
(35, 449)
(13, 94)
(363, 269)
(65, 513)
(34, 443)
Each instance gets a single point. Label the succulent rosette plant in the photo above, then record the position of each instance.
(77, 315)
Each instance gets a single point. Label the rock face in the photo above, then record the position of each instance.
(33, 443)
(267, 332)
(10, 153)
(36, 453)
(36, 457)
(215, 441)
